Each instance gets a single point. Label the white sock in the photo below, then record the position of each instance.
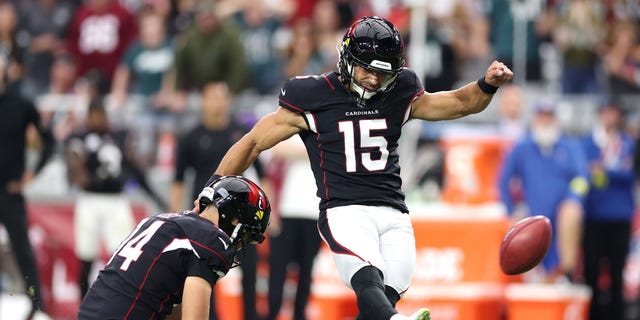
(398, 316)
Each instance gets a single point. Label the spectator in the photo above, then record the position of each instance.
(579, 35)
(9, 43)
(45, 22)
(167, 11)
(511, 124)
(197, 149)
(145, 63)
(501, 19)
(447, 43)
(552, 171)
(60, 104)
(259, 29)
(609, 209)
(99, 163)
(219, 41)
(302, 55)
(99, 33)
(144, 73)
(293, 235)
(17, 116)
(327, 32)
(622, 58)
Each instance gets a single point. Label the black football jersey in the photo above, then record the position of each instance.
(145, 276)
(353, 146)
(105, 161)
(202, 149)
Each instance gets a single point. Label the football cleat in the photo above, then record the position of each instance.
(422, 314)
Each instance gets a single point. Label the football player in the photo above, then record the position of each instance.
(169, 263)
(350, 122)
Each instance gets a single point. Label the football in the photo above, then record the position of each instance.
(525, 244)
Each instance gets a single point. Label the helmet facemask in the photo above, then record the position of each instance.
(374, 44)
(360, 90)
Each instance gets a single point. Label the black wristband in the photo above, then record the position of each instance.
(485, 87)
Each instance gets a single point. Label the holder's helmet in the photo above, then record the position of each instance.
(375, 44)
(240, 200)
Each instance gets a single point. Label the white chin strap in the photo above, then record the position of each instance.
(234, 234)
(362, 92)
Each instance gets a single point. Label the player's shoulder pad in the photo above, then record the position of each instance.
(302, 93)
(409, 78)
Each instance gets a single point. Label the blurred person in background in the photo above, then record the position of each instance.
(609, 209)
(167, 11)
(293, 235)
(145, 63)
(511, 121)
(260, 28)
(622, 58)
(142, 82)
(446, 44)
(197, 149)
(579, 34)
(45, 22)
(15, 71)
(60, 102)
(302, 56)
(501, 21)
(219, 40)
(17, 117)
(327, 32)
(99, 163)
(98, 35)
(550, 168)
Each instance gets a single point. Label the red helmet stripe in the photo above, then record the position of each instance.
(254, 195)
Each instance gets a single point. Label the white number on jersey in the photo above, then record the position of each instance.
(99, 34)
(131, 249)
(110, 158)
(366, 141)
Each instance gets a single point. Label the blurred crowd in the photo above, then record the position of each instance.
(149, 59)
(149, 64)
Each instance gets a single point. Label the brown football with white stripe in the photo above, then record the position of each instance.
(525, 244)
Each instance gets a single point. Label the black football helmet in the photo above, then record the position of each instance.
(238, 198)
(375, 44)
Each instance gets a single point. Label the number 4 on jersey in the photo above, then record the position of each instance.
(132, 248)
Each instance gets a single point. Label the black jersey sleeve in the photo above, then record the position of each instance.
(410, 82)
(212, 246)
(305, 93)
(197, 267)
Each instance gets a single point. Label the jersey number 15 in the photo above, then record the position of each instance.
(366, 141)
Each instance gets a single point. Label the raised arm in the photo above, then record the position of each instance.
(453, 104)
(270, 130)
